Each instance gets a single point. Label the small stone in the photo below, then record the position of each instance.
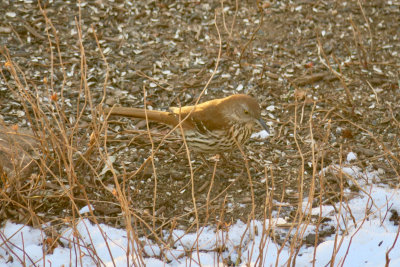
(5, 30)
(20, 113)
(11, 14)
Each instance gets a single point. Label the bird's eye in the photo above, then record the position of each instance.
(246, 112)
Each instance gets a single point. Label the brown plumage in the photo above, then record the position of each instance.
(212, 126)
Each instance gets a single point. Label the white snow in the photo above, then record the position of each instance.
(368, 241)
(351, 156)
(85, 209)
(260, 135)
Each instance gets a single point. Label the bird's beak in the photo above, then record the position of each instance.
(263, 124)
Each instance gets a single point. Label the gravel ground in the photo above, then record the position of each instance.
(326, 74)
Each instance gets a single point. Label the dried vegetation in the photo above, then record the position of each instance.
(325, 72)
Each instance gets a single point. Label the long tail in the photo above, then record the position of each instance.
(152, 115)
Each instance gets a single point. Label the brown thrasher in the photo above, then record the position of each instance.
(214, 126)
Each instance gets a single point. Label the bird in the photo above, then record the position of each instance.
(211, 127)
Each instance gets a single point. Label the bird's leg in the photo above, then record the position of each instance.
(216, 158)
(230, 160)
(205, 161)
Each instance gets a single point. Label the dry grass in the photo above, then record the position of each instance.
(58, 165)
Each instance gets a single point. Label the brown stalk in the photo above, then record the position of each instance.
(253, 36)
(325, 61)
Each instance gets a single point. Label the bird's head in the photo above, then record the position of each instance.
(244, 109)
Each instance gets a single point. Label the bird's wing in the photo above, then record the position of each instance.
(208, 118)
